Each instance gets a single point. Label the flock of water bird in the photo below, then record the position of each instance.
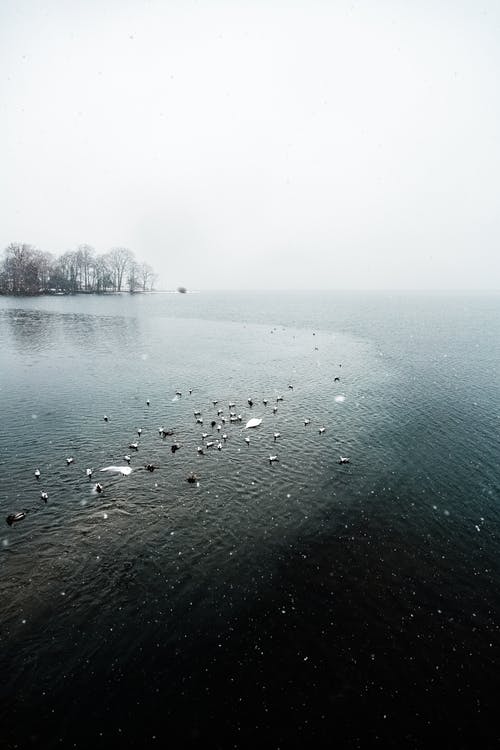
(216, 439)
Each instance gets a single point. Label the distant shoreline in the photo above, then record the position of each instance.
(111, 293)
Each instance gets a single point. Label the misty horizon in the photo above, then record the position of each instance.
(312, 146)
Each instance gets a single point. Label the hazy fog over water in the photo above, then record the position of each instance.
(257, 145)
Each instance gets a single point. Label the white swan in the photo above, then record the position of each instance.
(125, 470)
(255, 422)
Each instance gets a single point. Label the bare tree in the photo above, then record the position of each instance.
(69, 266)
(86, 257)
(45, 267)
(133, 277)
(21, 269)
(103, 278)
(147, 276)
(118, 260)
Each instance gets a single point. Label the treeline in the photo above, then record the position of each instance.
(26, 270)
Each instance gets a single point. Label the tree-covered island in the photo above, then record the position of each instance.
(25, 270)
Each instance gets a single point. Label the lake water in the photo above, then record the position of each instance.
(301, 602)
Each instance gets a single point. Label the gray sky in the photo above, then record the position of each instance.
(257, 144)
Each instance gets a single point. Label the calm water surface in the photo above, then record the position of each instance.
(294, 603)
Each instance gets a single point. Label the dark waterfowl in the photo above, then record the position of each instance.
(175, 447)
(15, 517)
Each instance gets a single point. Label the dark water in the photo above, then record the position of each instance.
(297, 603)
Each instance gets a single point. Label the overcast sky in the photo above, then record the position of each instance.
(265, 144)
